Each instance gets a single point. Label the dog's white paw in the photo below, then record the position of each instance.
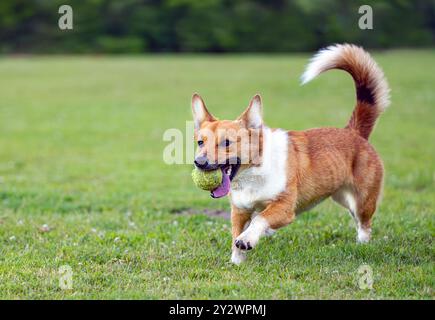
(250, 237)
(247, 240)
(238, 256)
(363, 235)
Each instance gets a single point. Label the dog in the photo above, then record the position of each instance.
(296, 170)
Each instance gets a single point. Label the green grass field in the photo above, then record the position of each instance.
(81, 151)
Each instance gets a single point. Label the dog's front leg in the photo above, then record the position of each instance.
(275, 216)
(239, 219)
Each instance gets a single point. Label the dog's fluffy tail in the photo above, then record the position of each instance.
(372, 92)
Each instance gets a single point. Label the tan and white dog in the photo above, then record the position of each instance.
(296, 170)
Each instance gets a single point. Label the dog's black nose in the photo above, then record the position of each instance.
(201, 162)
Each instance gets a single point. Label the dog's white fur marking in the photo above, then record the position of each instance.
(324, 60)
(255, 185)
(332, 56)
(346, 198)
(255, 231)
(351, 202)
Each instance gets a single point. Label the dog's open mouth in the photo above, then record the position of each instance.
(229, 171)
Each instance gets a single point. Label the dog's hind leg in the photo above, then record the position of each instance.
(361, 209)
(367, 180)
(366, 209)
(361, 200)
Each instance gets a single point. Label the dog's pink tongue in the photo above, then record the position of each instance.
(224, 188)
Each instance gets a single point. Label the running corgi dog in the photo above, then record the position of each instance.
(274, 174)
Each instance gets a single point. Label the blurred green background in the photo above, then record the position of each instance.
(134, 26)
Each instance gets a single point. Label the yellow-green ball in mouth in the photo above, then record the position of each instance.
(207, 180)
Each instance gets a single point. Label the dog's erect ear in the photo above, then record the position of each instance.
(252, 117)
(200, 112)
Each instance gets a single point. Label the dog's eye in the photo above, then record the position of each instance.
(200, 143)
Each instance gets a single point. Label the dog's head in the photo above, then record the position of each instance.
(228, 145)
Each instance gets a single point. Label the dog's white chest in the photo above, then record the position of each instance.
(256, 185)
(250, 191)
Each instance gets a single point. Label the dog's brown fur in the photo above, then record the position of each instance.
(327, 161)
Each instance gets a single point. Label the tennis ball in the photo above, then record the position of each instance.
(207, 180)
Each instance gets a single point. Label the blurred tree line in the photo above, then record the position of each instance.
(133, 26)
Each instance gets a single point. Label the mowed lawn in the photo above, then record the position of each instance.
(83, 183)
